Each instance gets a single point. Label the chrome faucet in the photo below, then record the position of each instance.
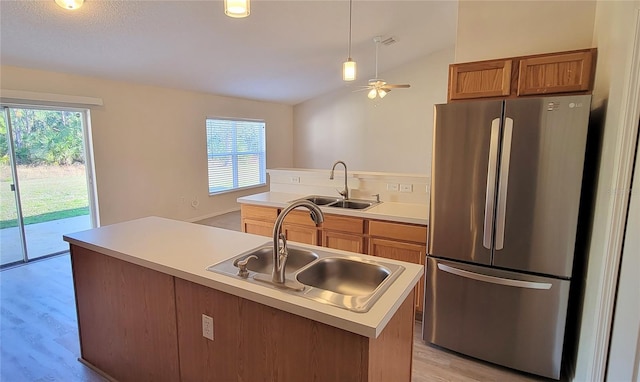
(280, 252)
(345, 192)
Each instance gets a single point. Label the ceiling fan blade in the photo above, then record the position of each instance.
(397, 86)
(360, 90)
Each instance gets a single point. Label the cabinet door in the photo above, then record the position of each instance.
(257, 227)
(301, 234)
(480, 79)
(558, 73)
(397, 250)
(344, 241)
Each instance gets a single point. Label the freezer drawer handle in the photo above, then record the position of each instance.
(493, 279)
(504, 183)
(491, 184)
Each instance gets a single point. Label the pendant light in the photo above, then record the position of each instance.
(70, 4)
(237, 8)
(349, 66)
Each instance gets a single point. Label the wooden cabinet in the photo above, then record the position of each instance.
(257, 219)
(558, 73)
(299, 227)
(553, 73)
(138, 324)
(404, 242)
(343, 232)
(126, 318)
(480, 79)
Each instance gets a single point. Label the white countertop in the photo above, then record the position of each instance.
(392, 211)
(185, 250)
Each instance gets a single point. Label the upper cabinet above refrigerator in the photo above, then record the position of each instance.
(542, 74)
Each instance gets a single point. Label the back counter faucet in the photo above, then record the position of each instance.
(345, 192)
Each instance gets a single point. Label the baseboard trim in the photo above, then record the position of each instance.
(211, 215)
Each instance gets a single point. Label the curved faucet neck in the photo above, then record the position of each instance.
(280, 253)
(345, 192)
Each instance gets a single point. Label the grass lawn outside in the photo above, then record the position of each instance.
(47, 193)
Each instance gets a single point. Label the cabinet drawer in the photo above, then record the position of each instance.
(259, 212)
(300, 217)
(343, 223)
(480, 79)
(398, 231)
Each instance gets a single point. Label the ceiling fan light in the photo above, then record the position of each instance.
(382, 93)
(70, 4)
(349, 70)
(236, 8)
(372, 94)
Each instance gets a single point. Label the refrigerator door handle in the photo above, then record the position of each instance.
(504, 182)
(493, 279)
(491, 184)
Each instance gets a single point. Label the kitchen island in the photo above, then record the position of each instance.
(142, 289)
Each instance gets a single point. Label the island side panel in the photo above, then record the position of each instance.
(391, 354)
(254, 342)
(126, 318)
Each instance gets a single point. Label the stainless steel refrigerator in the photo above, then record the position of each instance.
(505, 193)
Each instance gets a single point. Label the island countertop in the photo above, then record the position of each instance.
(185, 250)
(390, 211)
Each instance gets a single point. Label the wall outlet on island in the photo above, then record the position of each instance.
(295, 179)
(207, 327)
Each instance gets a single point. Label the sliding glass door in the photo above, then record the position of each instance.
(45, 182)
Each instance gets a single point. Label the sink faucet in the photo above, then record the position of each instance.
(280, 253)
(345, 192)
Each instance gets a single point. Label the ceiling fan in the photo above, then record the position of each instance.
(378, 87)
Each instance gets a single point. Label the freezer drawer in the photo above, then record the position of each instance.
(507, 318)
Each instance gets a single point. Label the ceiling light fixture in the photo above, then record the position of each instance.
(377, 86)
(70, 4)
(349, 66)
(237, 8)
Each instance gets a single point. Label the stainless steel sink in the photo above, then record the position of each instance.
(348, 282)
(298, 258)
(321, 200)
(328, 201)
(344, 276)
(352, 204)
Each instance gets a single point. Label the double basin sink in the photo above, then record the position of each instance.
(345, 281)
(354, 204)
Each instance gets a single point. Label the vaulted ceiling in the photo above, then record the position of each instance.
(285, 51)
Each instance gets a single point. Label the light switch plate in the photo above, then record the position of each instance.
(406, 187)
(392, 187)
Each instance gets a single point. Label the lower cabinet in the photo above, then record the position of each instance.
(344, 241)
(399, 241)
(344, 232)
(258, 220)
(398, 250)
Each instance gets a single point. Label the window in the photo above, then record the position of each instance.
(235, 154)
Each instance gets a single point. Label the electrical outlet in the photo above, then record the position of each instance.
(406, 187)
(392, 187)
(207, 327)
(295, 179)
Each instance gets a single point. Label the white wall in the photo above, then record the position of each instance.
(388, 135)
(149, 142)
(613, 35)
(494, 29)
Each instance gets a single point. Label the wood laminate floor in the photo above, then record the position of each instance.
(39, 334)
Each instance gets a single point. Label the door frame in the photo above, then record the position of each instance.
(88, 157)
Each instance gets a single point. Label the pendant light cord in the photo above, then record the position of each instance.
(350, 9)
